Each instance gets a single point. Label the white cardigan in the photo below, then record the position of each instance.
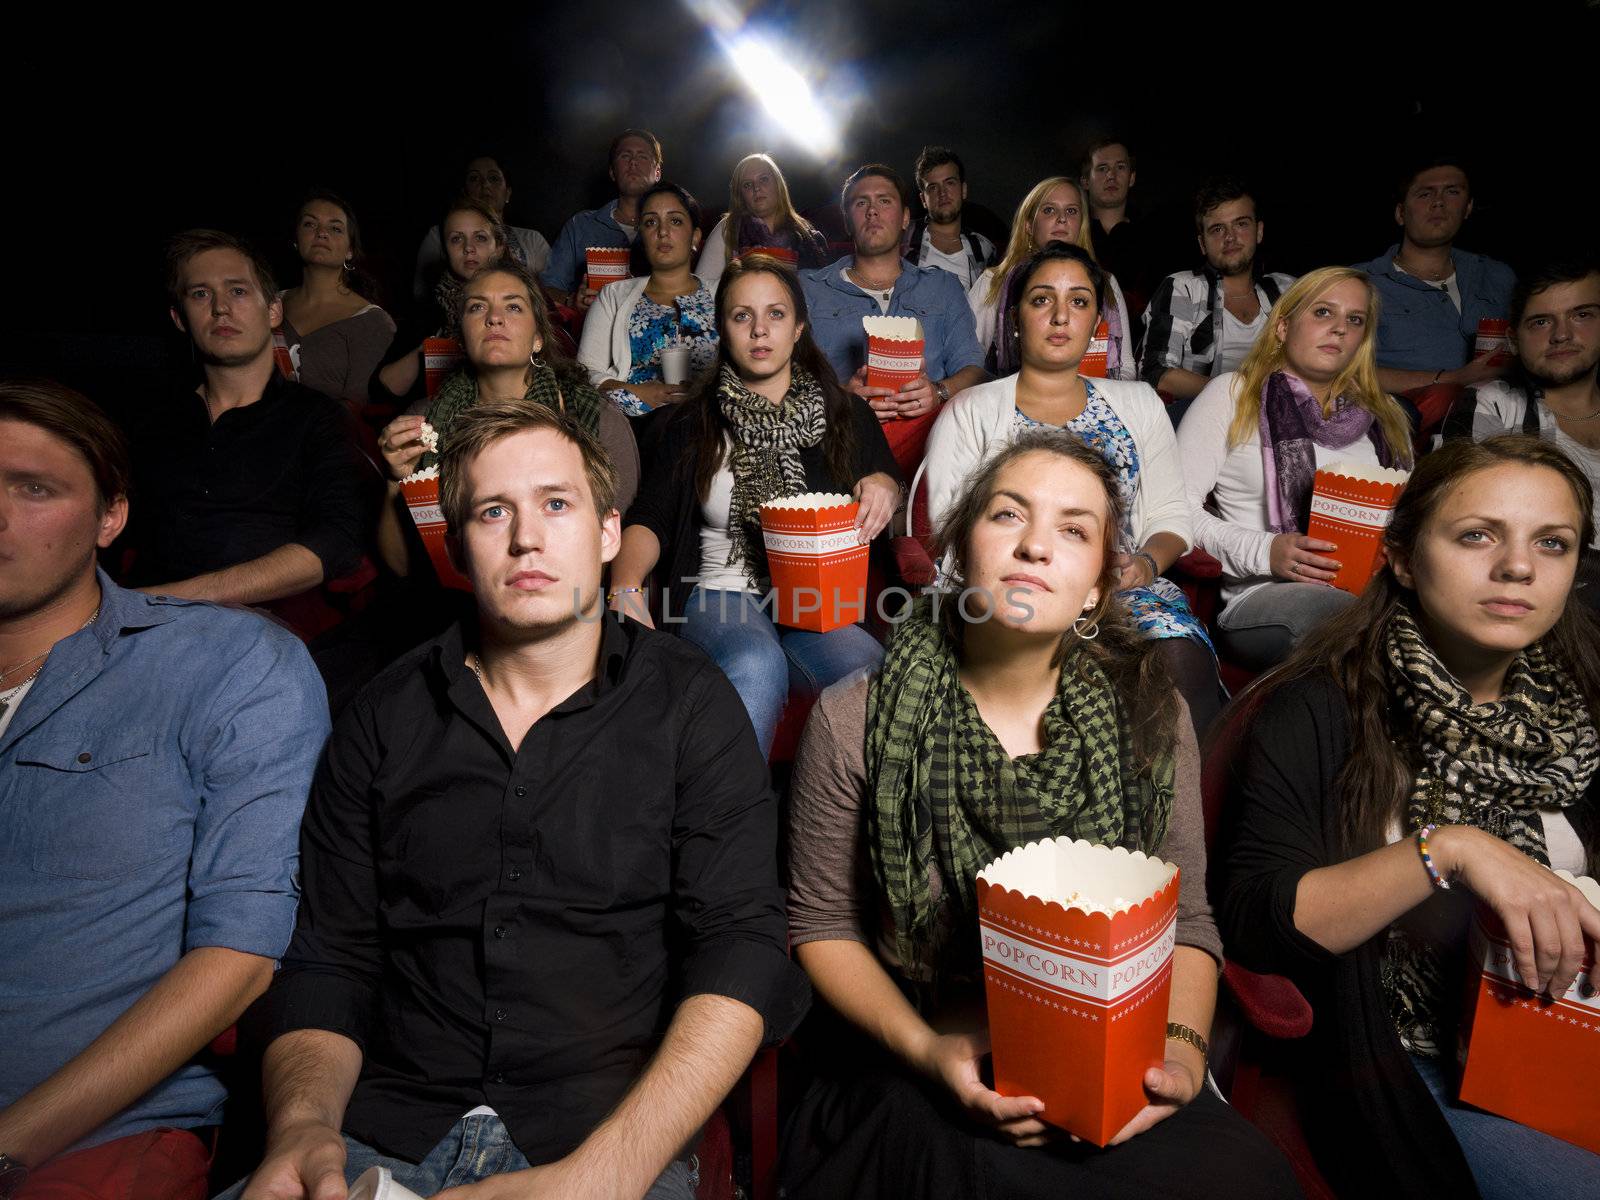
(978, 422)
(1236, 534)
(986, 315)
(604, 351)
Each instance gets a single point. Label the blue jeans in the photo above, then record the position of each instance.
(765, 662)
(475, 1149)
(1510, 1161)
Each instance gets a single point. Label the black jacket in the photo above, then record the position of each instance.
(668, 505)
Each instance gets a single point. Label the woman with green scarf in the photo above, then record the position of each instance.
(1025, 707)
(511, 354)
(1430, 749)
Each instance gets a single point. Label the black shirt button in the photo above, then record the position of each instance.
(85, 757)
(499, 1078)
(500, 931)
(520, 790)
(514, 874)
(499, 1014)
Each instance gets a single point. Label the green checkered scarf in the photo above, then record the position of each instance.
(946, 799)
(459, 392)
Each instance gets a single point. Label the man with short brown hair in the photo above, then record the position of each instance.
(542, 932)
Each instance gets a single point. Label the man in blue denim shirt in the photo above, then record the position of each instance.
(155, 757)
(877, 281)
(1433, 295)
(635, 159)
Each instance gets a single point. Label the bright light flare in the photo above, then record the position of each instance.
(785, 94)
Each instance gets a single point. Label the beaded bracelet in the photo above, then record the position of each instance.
(1439, 881)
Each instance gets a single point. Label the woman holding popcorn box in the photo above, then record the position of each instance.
(509, 354)
(1027, 707)
(1306, 397)
(1432, 748)
(771, 422)
(1049, 319)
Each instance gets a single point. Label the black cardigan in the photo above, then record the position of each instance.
(668, 506)
(1370, 1116)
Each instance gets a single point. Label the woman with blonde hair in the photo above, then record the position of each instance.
(1054, 211)
(760, 216)
(1306, 395)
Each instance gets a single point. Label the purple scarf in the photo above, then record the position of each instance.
(1292, 424)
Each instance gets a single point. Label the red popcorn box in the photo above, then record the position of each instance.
(817, 560)
(1525, 1057)
(1077, 966)
(1096, 358)
(782, 253)
(1493, 341)
(894, 351)
(440, 356)
(1351, 504)
(605, 264)
(421, 491)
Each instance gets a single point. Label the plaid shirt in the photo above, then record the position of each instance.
(1183, 325)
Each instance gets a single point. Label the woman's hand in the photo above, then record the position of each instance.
(658, 393)
(1169, 1087)
(1132, 572)
(953, 1059)
(631, 603)
(401, 443)
(879, 496)
(584, 297)
(1299, 559)
(1549, 925)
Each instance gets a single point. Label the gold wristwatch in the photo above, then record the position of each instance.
(1183, 1033)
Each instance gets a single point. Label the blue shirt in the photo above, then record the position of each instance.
(1419, 328)
(934, 297)
(594, 227)
(151, 786)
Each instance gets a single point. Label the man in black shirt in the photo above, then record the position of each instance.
(541, 920)
(249, 486)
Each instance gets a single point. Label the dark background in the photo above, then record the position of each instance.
(122, 131)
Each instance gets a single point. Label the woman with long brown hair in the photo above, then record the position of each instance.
(1027, 707)
(771, 420)
(760, 216)
(1431, 746)
(1307, 395)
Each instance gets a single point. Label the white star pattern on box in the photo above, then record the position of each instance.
(1048, 935)
(1030, 994)
(1518, 1000)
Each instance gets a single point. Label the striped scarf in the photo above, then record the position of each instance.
(576, 399)
(946, 799)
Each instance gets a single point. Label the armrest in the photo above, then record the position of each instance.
(1271, 1003)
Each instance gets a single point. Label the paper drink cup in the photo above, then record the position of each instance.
(1351, 504)
(1522, 1056)
(440, 356)
(781, 253)
(605, 264)
(817, 560)
(377, 1183)
(1493, 341)
(1078, 999)
(675, 363)
(894, 351)
(1095, 359)
(421, 491)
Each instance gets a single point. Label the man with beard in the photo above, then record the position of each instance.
(542, 932)
(154, 759)
(937, 238)
(250, 487)
(635, 158)
(875, 280)
(1201, 324)
(1555, 390)
(1433, 295)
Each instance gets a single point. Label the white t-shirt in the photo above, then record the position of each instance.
(14, 703)
(1237, 338)
(1448, 286)
(882, 296)
(715, 543)
(960, 264)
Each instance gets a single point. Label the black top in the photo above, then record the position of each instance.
(516, 928)
(1126, 253)
(669, 507)
(1360, 1087)
(209, 495)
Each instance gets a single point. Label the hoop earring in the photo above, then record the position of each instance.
(349, 264)
(1092, 632)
